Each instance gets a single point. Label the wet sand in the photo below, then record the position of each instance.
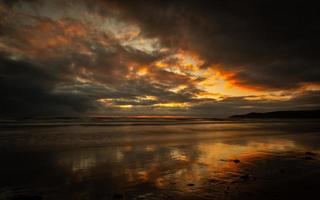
(210, 160)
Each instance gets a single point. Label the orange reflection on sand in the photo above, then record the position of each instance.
(180, 167)
(143, 175)
(214, 155)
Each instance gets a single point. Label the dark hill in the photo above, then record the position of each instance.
(300, 114)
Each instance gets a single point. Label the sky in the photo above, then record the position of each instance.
(164, 58)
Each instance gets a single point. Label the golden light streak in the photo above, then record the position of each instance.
(107, 102)
(173, 105)
(269, 97)
(147, 98)
(82, 80)
(125, 106)
(208, 95)
(178, 88)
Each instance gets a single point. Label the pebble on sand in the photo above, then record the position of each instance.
(308, 158)
(213, 180)
(26, 197)
(245, 176)
(118, 196)
(309, 153)
(236, 161)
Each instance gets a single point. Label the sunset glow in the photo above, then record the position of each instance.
(110, 61)
(159, 99)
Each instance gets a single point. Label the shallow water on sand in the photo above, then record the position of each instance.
(160, 160)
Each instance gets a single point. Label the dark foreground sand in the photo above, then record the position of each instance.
(221, 160)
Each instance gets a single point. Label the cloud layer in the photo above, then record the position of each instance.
(195, 58)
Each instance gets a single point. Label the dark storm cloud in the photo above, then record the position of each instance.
(64, 67)
(77, 57)
(26, 89)
(32, 89)
(272, 44)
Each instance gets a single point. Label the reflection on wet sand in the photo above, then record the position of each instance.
(220, 168)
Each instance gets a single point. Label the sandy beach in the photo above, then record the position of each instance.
(203, 160)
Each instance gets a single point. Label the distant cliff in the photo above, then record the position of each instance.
(299, 114)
